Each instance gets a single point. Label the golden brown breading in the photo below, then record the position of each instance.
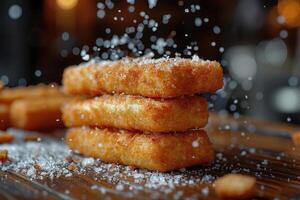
(4, 116)
(6, 137)
(138, 113)
(154, 78)
(1, 85)
(8, 95)
(162, 152)
(296, 138)
(235, 186)
(37, 113)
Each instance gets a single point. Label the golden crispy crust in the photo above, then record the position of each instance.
(162, 152)
(37, 113)
(164, 78)
(8, 95)
(138, 113)
(235, 186)
(296, 138)
(4, 116)
(6, 137)
(1, 85)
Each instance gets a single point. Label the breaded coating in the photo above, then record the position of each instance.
(165, 78)
(6, 137)
(1, 85)
(8, 95)
(138, 113)
(4, 116)
(37, 113)
(161, 152)
(235, 186)
(296, 138)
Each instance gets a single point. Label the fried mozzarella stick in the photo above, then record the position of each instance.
(8, 95)
(147, 77)
(37, 113)
(161, 152)
(4, 116)
(1, 85)
(138, 113)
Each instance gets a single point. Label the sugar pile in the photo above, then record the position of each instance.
(36, 159)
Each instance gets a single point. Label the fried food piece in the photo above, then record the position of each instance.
(161, 152)
(138, 113)
(38, 113)
(3, 155)
(154, 78)
(296, 138)
(4, 116)
(6, 137)
(8, 95)
(1, 85)
(235, 186)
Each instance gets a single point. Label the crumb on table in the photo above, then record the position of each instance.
(72, 167)
(235, 186)
(3, 155)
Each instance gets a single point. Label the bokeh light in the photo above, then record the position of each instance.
(287, 100)
(67, 4)
(15, 12)
(290, 11)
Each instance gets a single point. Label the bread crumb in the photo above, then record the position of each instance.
(37, 167)
(72, 167)
(73, 158)
(3, 155)
(235, 186)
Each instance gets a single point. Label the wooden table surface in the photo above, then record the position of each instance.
(244, 145)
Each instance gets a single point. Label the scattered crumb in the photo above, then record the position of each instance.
(37, 167)
(235, 186)
(72, 167)
(6, 138)
(73, 158)
(3, 155)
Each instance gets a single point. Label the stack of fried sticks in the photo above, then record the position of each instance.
(144, 112)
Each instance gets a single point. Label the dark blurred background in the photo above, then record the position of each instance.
(257, 42)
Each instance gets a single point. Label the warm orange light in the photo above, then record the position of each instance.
(290, 10)
(66, 4)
